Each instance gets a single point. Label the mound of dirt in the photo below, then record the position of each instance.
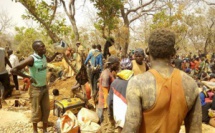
(64, 86)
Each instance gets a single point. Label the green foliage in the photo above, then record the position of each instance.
(171, 18)
(202, 28)
(108, 12)
(43, 12)
(26, 36)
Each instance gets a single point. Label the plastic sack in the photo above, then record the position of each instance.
(86, 115)
(69, 123)
(90, 127)
(60, 47)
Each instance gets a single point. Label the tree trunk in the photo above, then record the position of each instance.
(52, 35)
(127, 36)
(75, 29)
(206, 45)
(127, 30)
(71, 16)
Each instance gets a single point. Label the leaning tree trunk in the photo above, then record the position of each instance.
(75, 29)
(32, 11)
(71, 15)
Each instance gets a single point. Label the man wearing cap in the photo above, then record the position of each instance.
(117, 104)
(138, 64)
(160, 99)
(106, 78)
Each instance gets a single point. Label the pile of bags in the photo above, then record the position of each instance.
(86, 121)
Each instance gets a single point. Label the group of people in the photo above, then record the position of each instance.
(134, 95)
(9, 60)
(160, 99)
(199, 66)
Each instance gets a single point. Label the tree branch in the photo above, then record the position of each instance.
(54, 11)
(32, 11)
(141, 6)
(209, 3)
(138, 16)
(145, 12)
(72, 8)
(64, 7)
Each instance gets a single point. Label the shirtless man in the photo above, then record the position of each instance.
(160, 99)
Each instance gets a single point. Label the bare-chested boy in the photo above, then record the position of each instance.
(160, 99)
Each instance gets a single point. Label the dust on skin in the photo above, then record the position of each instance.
(146, 83)
(194, 117)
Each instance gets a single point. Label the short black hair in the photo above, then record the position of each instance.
(35, 43)
(161, 44)
(139, 51)
(98, 46)
(93, 46)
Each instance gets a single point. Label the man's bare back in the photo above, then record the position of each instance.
(146, 83)
(156, 94)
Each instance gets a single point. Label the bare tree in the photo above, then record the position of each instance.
(130, 14)
(71, 15)
(5, 21)
(209, 3)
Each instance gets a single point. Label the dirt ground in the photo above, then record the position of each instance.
(16, 119)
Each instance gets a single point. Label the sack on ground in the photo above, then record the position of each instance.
(69, 123)
(90, 127)
(86, 115)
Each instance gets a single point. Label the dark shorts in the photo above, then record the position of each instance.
(205, 116)
(5, 80)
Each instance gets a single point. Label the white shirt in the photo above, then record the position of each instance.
(13, 61)
(2, 60)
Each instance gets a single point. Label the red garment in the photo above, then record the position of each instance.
(27, 83)
(192, 65)
(105, 80)
(196, 64)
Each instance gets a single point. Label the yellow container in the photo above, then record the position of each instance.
(72, 104)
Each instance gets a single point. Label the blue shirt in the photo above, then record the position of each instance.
(95, 59)
(202, 98)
